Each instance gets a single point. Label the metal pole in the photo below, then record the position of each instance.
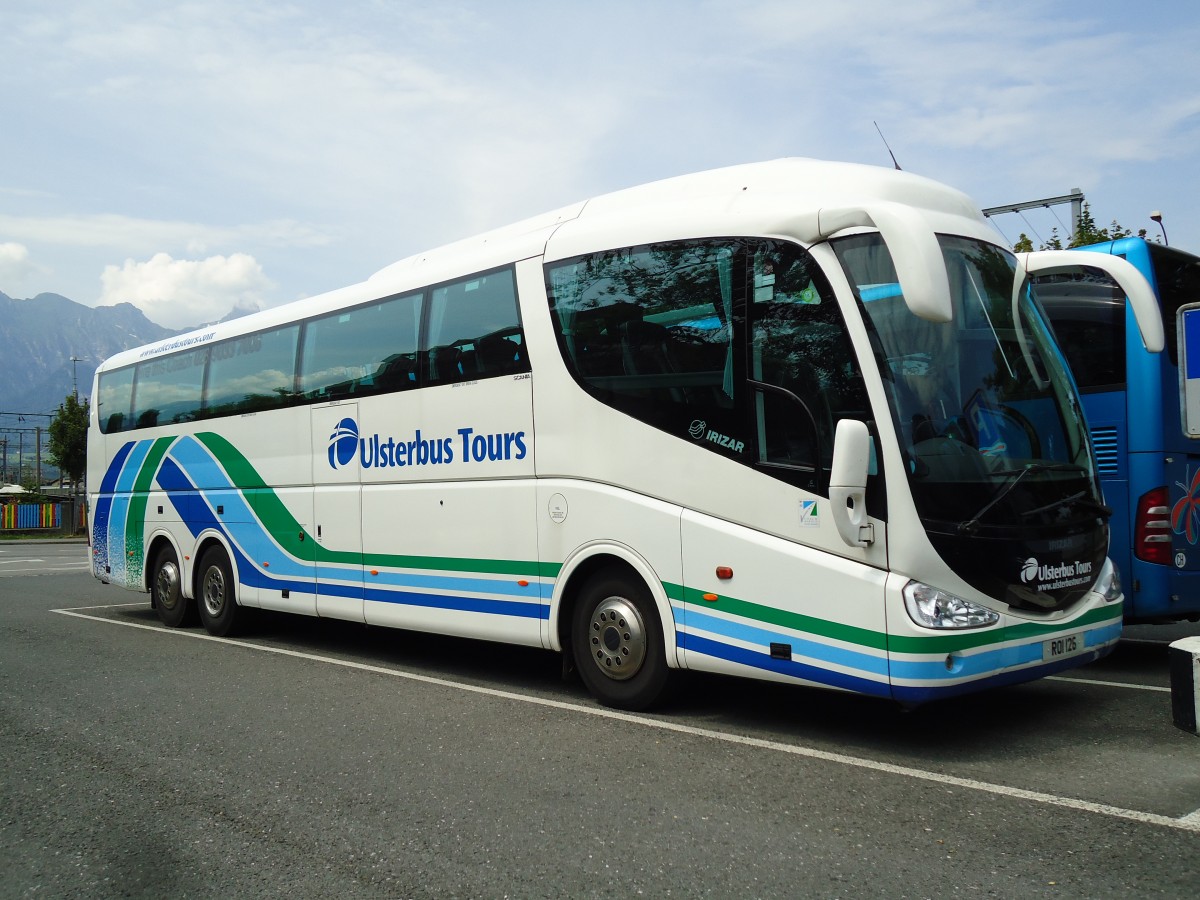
(1076, 213)
(38, 457)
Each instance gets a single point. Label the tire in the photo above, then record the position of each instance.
(216, 594)
(166, 591)
(617, 640)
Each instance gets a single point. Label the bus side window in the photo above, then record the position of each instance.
(344, 353)
(169, 388)
(648, 330)
(252, 373)
(799, 348)
(1088, 318)
(115, 395)
(474, 330)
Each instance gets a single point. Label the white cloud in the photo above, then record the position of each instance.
(180, 293)
(143, 235)
(15, 265)
(349, 137)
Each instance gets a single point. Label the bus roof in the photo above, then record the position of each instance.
(751, 199)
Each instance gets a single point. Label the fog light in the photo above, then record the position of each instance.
(935, 608)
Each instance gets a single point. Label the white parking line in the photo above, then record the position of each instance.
(1116, 684)
(1190, 822)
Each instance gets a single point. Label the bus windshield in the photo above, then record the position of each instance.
(990, 426)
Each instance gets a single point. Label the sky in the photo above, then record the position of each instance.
(195, 157)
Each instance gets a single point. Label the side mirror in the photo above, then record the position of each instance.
(1124, 273)
(848, 482)
(911, 241)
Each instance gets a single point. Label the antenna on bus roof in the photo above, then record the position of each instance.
(889, 149)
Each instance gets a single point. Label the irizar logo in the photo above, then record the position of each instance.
(700, 431)
(1051, 577)
(381, 452)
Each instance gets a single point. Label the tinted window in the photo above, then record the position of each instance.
(736, 345)
(800, 348)
(1178, 278)
(1088, 316)
(649, 331)
(115, 399)
(168, 389)
(475, 330)
(253, 372)
(366, 350)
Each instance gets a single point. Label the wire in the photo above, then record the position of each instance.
(1031, 228)
(992, 219)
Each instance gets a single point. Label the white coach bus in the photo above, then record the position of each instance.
(799, 421)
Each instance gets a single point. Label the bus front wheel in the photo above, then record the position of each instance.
(166, 593)
(215, 590)
(618, 642)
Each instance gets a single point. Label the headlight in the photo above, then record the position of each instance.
(936, 608)
(1109, 583)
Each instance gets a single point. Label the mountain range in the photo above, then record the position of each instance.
(38, 337)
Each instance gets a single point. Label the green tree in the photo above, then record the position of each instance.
(68, 438)
(33, 490)
(1086, 233)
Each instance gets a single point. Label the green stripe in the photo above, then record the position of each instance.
(877, 640)
(771, 615)
(286, 531)
(135, 520)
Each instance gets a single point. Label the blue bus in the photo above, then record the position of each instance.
(1149, 469)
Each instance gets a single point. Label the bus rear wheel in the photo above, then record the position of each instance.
(166, 591)
(618, 643)
(215, 593)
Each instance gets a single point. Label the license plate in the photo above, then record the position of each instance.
(1062, 647)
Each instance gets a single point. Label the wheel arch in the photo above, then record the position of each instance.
(584, 563)
(158, 539)
(206, 541)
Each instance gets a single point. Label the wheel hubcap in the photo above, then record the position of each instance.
(167, 584)
(214, 591)
(617, 637)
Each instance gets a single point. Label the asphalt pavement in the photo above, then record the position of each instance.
(313, 758)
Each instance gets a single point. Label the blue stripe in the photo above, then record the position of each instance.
(451, 583)
(201, 517)
(109, 482)
(129, 471)
(247, 531)
(915, 695)
(750, 634)
(790, 668)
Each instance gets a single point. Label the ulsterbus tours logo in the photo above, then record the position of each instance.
(379, 451)
(343, 443)
(1053, 577)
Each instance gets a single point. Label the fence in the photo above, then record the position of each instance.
(40, 516)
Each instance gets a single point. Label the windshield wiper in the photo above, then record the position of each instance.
(971, 525)
(1081, 498)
